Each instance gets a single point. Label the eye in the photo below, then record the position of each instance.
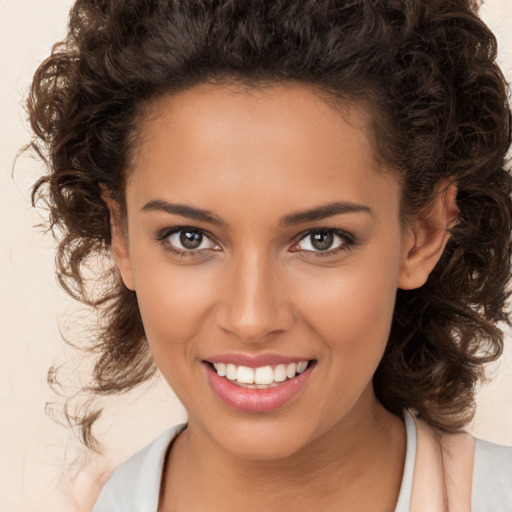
(186, 240)
(324, 241)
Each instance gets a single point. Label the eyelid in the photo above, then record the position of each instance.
(348, 239)
(163, 235)
(335, 231)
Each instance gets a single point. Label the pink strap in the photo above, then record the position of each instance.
(443, 471)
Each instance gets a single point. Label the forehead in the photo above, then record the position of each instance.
(228, 139)
(300, 110)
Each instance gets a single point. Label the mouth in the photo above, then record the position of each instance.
(258, 389)
(261, 377)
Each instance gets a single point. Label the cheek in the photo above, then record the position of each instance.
(351, 308)
(174, 303)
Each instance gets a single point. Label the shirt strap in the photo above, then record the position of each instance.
(443, 470)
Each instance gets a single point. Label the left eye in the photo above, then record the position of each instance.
(322, 240)
(189, 239)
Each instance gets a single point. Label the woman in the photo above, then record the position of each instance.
(309, 220)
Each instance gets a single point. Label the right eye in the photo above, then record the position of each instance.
(185, 241)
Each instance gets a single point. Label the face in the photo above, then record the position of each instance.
(262, 241)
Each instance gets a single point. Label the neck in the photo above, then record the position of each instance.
(365, 451)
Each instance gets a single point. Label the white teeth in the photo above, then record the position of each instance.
(263, 376)
(221, 369)
(231, 371)
(280, 373)
(301, 366)
(245, 375)
(291, 370)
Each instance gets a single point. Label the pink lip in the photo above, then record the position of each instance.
(255, 361)
(256, 400)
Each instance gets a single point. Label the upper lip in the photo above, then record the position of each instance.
(255, 360)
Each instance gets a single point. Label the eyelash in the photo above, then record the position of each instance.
(348, 242)
(163, 236)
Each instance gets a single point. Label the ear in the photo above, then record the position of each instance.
(119, 239)
(426, 238)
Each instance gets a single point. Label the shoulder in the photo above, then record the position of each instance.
(469, 473)
(487, 468)
(492, 477)
(135, 485)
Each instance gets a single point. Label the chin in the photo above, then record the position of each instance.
(264, 447)
(265, 439)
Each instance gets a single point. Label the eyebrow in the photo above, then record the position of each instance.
(183, 210)
(324, 211)
(312, 214)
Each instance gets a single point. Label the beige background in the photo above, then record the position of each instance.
(34, 475)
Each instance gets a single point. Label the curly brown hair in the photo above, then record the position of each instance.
(440, 114)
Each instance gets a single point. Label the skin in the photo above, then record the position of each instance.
(253, 158)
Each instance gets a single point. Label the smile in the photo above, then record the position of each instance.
(262, 377)
(258, 389)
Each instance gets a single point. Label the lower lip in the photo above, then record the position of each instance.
(257, 400)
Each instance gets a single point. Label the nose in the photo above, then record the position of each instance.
(255, 300)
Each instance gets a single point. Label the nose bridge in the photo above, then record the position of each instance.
(256, 303)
